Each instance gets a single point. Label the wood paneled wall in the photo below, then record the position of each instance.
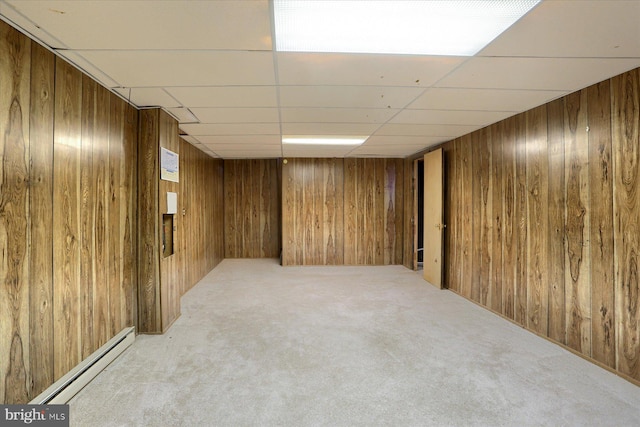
(67, 217)
(198, 224)
(251, 209)
(343, 211)
(201, 200)
(544, 215)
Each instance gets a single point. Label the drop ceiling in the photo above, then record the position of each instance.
(212, 64)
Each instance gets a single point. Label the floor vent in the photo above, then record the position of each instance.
(69, 385)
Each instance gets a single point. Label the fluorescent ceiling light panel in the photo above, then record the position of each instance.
(450, 28)
(324, 140)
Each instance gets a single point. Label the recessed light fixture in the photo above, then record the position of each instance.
(324, 140)
(446, 27)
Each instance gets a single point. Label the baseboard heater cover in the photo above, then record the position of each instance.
(70, 384)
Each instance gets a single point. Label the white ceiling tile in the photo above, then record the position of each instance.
(335, 115)
(386, 151)
(236, 115)
(184, 68)
(315, 150)
(226, 96)
(483, 99)
(573, 29)
(10, 14)
(397, 141)
(148, 97)
(450, 117)
(96, 72)
(363, 70)
(244, 140)
(403, 129)
(141, 24)
(328, 128)
(232, 129)
(566, 74)
(182, 115)
(192, 140)
(347, 96)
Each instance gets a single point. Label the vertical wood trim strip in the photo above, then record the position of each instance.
(578, 284)
(601, 224)
(66, 218)
(41, 210)
(557, 220)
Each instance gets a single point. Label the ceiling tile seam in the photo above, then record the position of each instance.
(276, 69)
(555, 57)
(422, 92)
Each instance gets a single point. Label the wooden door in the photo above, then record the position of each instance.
(433, 217)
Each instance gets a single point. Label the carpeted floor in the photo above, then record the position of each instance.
(262, 345)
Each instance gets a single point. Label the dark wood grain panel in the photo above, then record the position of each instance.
(87, 215)
(288, 213)
(510, 223)
(570, 217)
(15, 51)
(170, 277)
(408, 250)
(129, 215)
(41, 219)
(557, 220)
(577, 282)
(466, 197)
(338, 188)
(601, 224)
(626, 207)
(454, 217)
(252, 225)
(201, 198)
(101, 200)
(521, 198)
(350, 211)
(486, 216)
(537, 220)
(66, 218)
(148, 231)
(114, 219)
(497, 210)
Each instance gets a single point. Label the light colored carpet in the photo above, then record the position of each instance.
(263, 345)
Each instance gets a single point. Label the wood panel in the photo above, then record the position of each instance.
(55, 304)
(557, 220)
(41, 219)
(494, 299)
(537, 220)
(601, 224)
(408, 251)
(14, 213)
(251, 211)
(170, 276)
(129, 215)
(521, 198)
(149, 319)
(510, 233)
(577, 282)
(201, 191)
(66, 218)
(484, 243)
(466, 199)
(87, 214)
(566, 185)
(343, 211)
(626, 207)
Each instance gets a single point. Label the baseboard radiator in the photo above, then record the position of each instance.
(70, 384)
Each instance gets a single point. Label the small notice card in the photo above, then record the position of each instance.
(168, 165)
